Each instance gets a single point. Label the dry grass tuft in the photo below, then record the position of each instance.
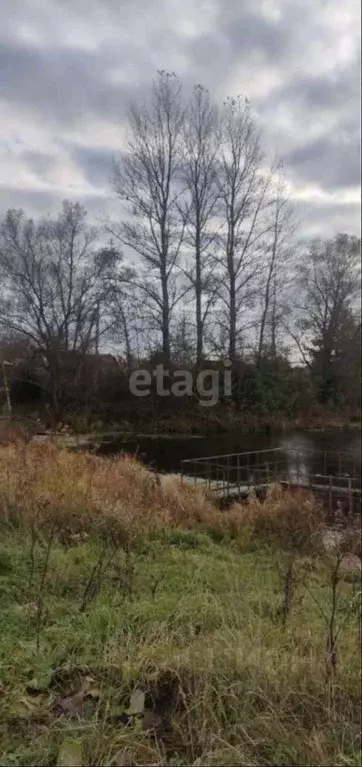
(84, 492)
(13, 431)
(290, 520)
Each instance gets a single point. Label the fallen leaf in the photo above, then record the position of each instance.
(41, 677)
(118, 713)
(148, 755)
(151, 721)
(71, 706)
(70, 754)
(350, 568)
(94, 692)
(89, 688)
(88, 680)
(40, 682)
(22, 708)
(122, 759)
(136, 703)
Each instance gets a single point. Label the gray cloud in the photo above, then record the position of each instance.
(68, 70)
(325, 92)
(32, 201)
(252, 33)
(330, 103)
(95, 163)
(64, 86)
(314, 162)
(36, 202)
(38, 162)
(319, 219)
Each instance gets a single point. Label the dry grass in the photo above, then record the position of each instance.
(289, 519)
(84, 492)
(13, 431)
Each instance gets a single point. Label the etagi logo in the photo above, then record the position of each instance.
(206, 383)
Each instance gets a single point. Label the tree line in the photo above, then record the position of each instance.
(204, 262)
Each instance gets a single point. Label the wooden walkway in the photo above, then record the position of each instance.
(216, 487)
(237, 475)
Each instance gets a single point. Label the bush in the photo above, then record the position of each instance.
(289, 520)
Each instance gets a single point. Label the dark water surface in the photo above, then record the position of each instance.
(166, 453)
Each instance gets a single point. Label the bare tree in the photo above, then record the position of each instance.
(200, 145)
(280, 309)
(53, 289)
(329, 285)
(123, 321)
(148, 182)
(277, 256)
(243, 190)
(122, 306)
(183, 341)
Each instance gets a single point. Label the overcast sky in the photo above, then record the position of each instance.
(69, 67)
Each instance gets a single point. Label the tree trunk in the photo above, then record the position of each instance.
(271, 272)
(232, 319)
(273, 327)
(165, 316)
(198, 295)
(263, 320)
(126, 339)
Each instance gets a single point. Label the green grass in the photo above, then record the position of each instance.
(193, 625)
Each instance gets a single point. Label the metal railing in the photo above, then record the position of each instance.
(335, 476)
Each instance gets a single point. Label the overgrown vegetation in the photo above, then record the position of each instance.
(140, 625)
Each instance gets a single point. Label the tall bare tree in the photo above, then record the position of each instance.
(148, 182)
(53, 289)
(330, 287)
(200, 146)
(122, 305)
(278, 254)
(243, 190)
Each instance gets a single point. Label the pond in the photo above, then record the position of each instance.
(166, 453)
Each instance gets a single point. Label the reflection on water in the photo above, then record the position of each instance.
(167, 454)
(298, 449)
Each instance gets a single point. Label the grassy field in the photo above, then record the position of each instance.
(141, 626)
